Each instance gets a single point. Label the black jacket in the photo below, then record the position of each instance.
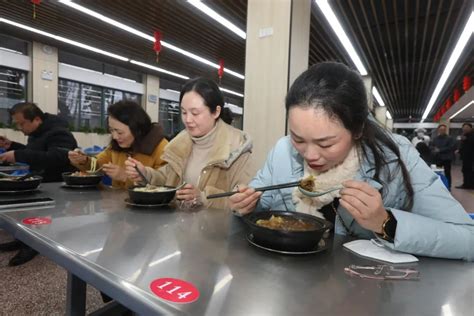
(467, 148)
(446, 145)
(46, 148)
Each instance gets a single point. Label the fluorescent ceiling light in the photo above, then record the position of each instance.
(97, 50)
(462, 109)
(377, 96)
(231, 92)
(217, 17)
(458, 49)
(174, 91)
(158, 69)
(341, 34)
(147, 37)
(388, 115)
(63, 39)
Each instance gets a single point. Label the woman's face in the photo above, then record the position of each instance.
(323, 142)
(196, 116)
(120, 133)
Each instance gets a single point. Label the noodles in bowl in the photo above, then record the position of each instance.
(81, 178)
(151, 195)
(152, 188)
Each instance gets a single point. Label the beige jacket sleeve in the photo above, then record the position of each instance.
(241, 172)
(157, 176)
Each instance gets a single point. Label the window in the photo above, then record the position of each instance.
(85, 106)
(13, 45)
(12, 91)
(170, 118)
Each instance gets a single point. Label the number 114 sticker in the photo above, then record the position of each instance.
(174, 290)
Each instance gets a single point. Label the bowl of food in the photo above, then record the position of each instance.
(12, 183)
(286, 231)
(81, 178)
(151, 194)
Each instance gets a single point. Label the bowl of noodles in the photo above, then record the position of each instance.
(81, 178)
(286, 231)
(151, 194)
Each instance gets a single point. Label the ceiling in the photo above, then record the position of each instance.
(404, 44)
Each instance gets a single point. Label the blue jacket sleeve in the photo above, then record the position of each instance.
(264, 177)
(437, 226)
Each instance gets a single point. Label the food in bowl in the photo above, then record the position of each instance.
(152, 188)
(286, 224)
(11, 183)
(82, 174)
(308, 183)
(151, 195)
(286, 240)
(81, 178)
(13, 178)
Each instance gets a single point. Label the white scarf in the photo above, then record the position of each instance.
(326, 180)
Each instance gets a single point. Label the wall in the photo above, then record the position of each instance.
(270, 67)
(150, 99)
(45, 77)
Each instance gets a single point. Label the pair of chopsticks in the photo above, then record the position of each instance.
(261, 189)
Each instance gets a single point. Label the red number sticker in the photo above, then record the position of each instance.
(37, 221)
(174, 290)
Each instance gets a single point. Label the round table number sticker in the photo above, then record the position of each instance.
(37, 221)
(174, 290)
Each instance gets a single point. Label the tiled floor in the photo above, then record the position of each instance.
(38, 287)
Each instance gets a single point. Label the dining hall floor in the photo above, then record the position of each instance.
(39, 286)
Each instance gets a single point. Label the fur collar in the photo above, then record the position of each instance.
(325, 180)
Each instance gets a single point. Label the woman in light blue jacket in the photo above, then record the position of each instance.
(388, 190)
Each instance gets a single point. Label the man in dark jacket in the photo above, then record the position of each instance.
(48, 137)
(45, 152)
(466, 151)
(443, 150)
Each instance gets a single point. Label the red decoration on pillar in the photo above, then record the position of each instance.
(157, 45)
(35, 3)
(456, 95)
(220, 72)
(466, 83)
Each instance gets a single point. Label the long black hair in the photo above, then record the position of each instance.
(208, 90)
(135, 117)
(341, 94)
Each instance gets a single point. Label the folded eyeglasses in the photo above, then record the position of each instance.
(382, 272)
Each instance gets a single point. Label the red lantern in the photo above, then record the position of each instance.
(466, 83)
(157, 45)
(220, 72)
(35, 3)
(456, 95)
(449, 104)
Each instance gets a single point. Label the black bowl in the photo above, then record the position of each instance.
(151, 198)
(286, 240)
(28, 184)
(92, 179)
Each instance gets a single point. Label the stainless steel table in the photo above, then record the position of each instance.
(121, 250)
